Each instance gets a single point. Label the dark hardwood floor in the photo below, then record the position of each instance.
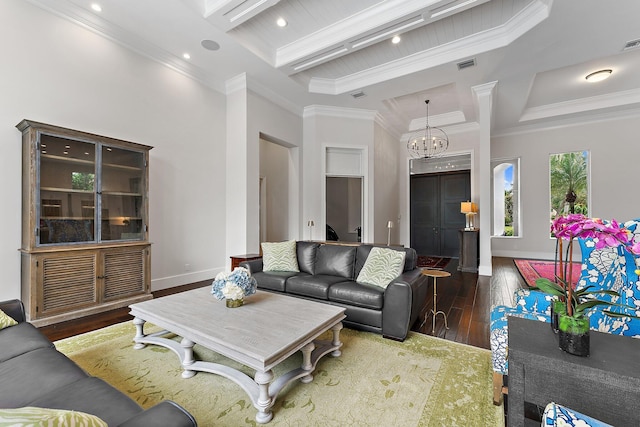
(466, 298)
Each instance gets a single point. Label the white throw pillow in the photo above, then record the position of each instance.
(381, 267)
(280, 256)
(6, 320)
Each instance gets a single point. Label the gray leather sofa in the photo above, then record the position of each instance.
(327, 274)
(34, 373)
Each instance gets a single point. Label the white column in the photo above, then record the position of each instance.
(237, 165)
(484, 109)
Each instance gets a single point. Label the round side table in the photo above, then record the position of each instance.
(435, 274)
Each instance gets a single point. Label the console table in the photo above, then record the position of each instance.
(605, 385)
(468, 258)
(237, 259)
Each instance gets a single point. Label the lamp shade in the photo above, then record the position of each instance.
(390, 224)
(466, 207)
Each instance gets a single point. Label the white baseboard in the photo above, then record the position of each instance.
(184, 279)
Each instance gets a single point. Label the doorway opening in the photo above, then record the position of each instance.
(344, 209)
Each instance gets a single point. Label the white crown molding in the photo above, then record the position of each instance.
(352, 27)
(236, 83)
(451, 130)
(469, 46)
(384, 124)
(342, 112)
(581, 105)
(439, 120)
(569, 122)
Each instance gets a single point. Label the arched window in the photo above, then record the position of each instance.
(506, 200)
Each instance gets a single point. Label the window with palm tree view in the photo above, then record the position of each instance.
(569, 178)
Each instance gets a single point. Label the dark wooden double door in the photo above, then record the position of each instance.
(435, 212)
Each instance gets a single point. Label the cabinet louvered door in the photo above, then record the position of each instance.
(68, 281)
(124, 273)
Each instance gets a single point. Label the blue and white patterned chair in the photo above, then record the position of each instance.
(607, 268)
(559, 416)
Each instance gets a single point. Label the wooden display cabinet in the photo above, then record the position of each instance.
(85, 209)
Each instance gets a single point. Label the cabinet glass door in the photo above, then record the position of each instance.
(67, 190)
(122, 194)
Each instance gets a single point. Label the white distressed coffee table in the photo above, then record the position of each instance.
(262, 333)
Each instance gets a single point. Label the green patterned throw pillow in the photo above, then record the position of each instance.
(381, 267)
(6, 320)
(32, 416)
(279, 256)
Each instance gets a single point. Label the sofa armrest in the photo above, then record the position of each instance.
(254, 266)
(401, 300)
(15, 309)
(533, 301)
(166, 413)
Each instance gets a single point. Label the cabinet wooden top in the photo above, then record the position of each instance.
(26, 125)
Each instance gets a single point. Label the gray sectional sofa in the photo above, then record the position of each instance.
(33, 373)
(327, 274)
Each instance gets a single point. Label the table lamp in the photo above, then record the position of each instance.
(469, 209)
(310, 224)
(389, 226)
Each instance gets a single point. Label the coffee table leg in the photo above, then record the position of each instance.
(306, 362)
(336, 339)
(139, 332)
(188, 358)
(265, 402)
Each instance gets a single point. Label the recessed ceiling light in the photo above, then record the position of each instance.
(396, 39)
(186, 56)
(281, 22)
(210, 45)
(599, 75)
(96, 7)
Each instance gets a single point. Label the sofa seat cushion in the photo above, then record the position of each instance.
(19, 339)
(93, 396)
(312, 286)
(361, 295)
(274, 280)
(35, 374)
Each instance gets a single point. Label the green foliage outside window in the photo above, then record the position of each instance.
(82, 181)
(569, 183)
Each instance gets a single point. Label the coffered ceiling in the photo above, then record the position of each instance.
(340, 53)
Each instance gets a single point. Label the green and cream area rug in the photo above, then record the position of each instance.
(423, 381)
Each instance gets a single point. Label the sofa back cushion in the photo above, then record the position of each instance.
(410, 258)
(336, 260)
(307, 256)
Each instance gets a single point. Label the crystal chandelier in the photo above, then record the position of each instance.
(428, 143)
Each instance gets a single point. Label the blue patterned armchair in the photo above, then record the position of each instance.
(557, 415)
(606, 268)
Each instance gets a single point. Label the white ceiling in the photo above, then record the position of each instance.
(537, 50)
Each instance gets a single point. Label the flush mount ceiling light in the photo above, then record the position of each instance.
(599, 75)
(96, 7)
(186, 56)
(428, 143)
(281, 22)
(396, 39)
